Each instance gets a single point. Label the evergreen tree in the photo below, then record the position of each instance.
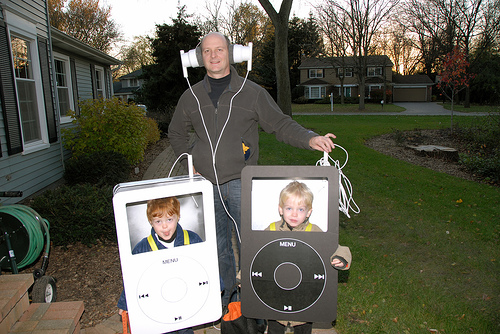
(164, 82)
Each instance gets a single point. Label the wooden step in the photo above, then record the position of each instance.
(53, 318)
(14, 299)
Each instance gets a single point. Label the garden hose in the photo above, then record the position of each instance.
(33, 224)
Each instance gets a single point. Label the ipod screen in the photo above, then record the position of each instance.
(265, 200)
(191, 217)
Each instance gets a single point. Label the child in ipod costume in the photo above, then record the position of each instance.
(163, 215)
(295, 208)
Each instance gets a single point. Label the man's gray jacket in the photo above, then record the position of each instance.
(238, 145)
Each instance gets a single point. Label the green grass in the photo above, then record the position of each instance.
(473, 108)
(326, 108)
(425, 245)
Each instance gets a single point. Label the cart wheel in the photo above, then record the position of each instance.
(44, 290)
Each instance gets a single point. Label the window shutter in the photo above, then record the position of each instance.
(50, 110)
(93, 79)
(74, 84)
(8, 96)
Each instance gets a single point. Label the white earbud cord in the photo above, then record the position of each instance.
(346, 201)
(214, 150)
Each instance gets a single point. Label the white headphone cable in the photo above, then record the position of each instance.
(214, 151)
(346, 201)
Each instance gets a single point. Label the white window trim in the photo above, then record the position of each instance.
(316, 71)
(66, 60)
(374, 71)
(322, 92)
(103, 88)
(22, 28)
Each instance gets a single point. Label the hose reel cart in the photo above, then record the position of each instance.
(23, 236)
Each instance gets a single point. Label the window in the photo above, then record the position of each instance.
(374, 71)
(316, 73)
(346, 72)
(99, 80)
(133, 82)
(63, 82)
(347, 91)
(26, 89)
(315, 92)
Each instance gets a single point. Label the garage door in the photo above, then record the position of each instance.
(409, 95)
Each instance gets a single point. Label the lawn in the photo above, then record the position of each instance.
(425, 244)
(313, 108)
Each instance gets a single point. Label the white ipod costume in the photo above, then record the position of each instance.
(176, 288)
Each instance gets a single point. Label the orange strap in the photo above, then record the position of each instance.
(234, 311)
(125, 322)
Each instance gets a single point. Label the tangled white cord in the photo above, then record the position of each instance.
(346, 201)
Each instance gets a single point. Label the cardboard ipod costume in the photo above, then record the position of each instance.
(287, 275)
(173, 288)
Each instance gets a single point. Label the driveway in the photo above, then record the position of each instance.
(412, 109)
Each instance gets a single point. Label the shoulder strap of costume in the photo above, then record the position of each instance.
(186, 237)
(272, 227)
(152, 243)
(309, 227)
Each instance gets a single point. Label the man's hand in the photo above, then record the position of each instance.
(322, 143)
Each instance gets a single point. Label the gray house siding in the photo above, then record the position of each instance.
(25, 166)
(32, 170)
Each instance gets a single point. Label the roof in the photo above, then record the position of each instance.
(332, 62)
(118, 89)
(132, 75)
(68, 43)
(315, 81)
(415, 79)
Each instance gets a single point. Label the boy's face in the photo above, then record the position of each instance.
(165, 225)
(294, 212)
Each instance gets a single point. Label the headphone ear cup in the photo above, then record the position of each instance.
(199, 56)
(231, 54)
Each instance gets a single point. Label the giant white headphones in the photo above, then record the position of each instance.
(237, 54)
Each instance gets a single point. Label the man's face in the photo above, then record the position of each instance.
(165, 225)
(215, 56)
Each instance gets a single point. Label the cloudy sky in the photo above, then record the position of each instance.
(138, 17)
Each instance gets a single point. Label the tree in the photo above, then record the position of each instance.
(280, 22)
(135, 55)
(454, 77)
(164, 81)
(86, 21)
(359, 21)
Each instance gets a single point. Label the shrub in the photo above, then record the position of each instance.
(109, 125)
(98, 168)
(483, 138)
(152, 132)
(81, 213)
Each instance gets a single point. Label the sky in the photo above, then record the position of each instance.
(139, 17)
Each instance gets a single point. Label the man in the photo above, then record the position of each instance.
(225, 110)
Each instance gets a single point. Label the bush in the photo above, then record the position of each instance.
(98, 168)
(110, 125)
(483, 138)
(81, 213)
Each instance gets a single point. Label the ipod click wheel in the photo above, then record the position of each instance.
(174, 290)
(291, 282)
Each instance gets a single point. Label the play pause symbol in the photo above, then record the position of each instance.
(287, 308)
(178, 318)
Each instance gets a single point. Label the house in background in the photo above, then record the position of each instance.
(127, 85)
(43, 74)
(322, 77)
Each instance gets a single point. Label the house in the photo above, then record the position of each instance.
(43, 74)
(322, 77)
(125, 88)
